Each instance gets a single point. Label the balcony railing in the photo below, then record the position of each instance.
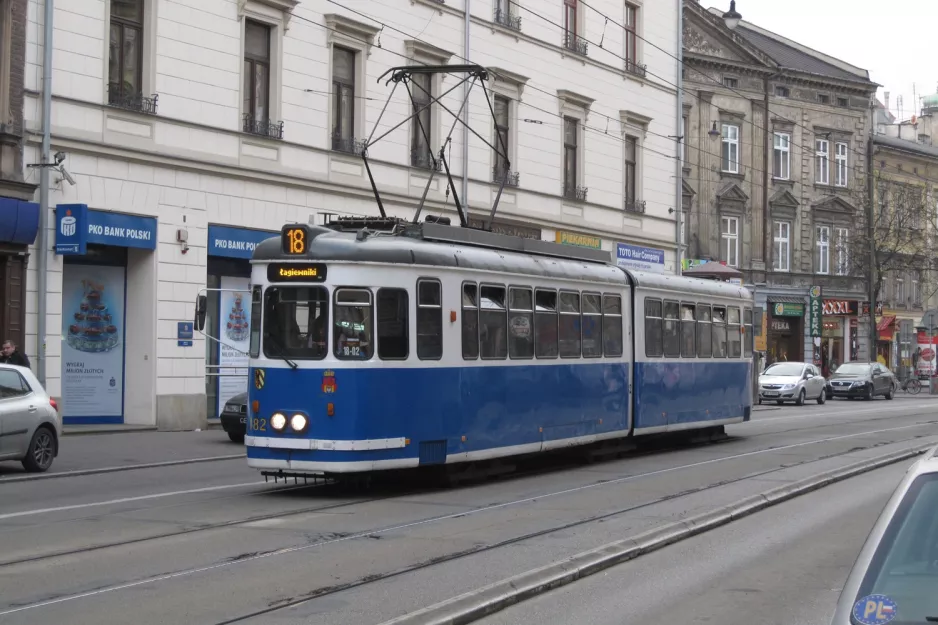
(634, 206)
(498, 174)
(131, 101)
(506, 19)
(349, 145)
(575, 44)
(424, 160)
(575, 193)
(262, 127)
(636, 68)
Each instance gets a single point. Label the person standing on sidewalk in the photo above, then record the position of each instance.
(12, 356)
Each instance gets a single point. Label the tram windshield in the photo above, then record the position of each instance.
(296, 319)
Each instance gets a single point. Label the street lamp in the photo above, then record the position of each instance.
(713, 132)
(731, 17)
(755, 356)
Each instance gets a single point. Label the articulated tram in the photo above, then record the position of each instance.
(410, 344)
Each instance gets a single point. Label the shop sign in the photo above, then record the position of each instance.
(638, 257)
(184, 334)
(76, 225)
(785, 309)
(814, 311)
(511, 230)
(579, 240)
(866, 308)
(235, 242)
(841, 307)
(781, 325)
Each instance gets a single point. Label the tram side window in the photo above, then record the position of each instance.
(612, 326)
(688, 331)
(545, 324)
(256, 303)
(747, 333)
(520, 323)
(672, 330)
(493, 323)
(470, 321)
(719, 332)
(569, 325)
(429, 320)
(653, 330)
(734, 336)
(592, 323)
(296, 322)
(352, 328)
(704, 332)
(393, 335)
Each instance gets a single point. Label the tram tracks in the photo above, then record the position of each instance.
(324, 590)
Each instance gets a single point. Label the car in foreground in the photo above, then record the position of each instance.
(895, 576)
(234, 417)
(30, 426)
(792, 381)
(864, 380)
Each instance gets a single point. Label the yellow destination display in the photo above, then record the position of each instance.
(296, 272)
(294, 240)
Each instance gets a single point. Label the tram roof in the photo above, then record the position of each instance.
(696, 286)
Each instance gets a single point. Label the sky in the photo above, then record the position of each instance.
(895, 40)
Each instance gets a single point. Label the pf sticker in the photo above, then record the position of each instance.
(875, 610)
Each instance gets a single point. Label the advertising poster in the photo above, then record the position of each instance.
(93, 342)
(234, 332)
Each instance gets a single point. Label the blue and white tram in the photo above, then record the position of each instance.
(394, 350)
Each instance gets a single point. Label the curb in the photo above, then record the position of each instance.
(489, 599)
(125, 430)
(129, 467)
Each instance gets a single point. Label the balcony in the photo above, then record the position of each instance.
(262, 127)
(498, 174)
(130, 101)
(635, 68)
(575, 44)
(634, 206)
(575, 193)
(423, 159)
(506, 19)
(349, 145)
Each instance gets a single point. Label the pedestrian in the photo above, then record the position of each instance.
(12, 356)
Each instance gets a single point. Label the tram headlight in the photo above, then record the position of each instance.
(298, 422)
(278, 421)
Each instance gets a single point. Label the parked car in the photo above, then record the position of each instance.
(234, 417)
(30, 426)
(862, 379)
(895, 573)
(792, 381)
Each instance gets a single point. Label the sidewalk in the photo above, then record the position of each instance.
(122, 428)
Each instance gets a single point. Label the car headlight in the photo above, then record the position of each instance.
(788, 387)
(231, 408)
(298, 422)
(278, 421)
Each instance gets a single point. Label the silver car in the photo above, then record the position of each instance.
(29, 420)
(896, 573)
(792, 381)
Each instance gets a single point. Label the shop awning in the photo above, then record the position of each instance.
(885, 321)
(785, 299)
(19, 221)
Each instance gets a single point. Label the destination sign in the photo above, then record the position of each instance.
(294, 240)
(296, 272)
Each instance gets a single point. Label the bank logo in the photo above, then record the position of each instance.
(69, 225)
(112, 382)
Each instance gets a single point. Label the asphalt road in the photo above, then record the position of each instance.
(784, 566)
(212, 543)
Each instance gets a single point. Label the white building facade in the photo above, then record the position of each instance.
(193, 129)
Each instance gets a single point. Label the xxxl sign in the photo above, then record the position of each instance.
(834, 307)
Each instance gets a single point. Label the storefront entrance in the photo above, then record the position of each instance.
(785, 331)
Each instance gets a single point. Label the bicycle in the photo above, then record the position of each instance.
(912, 385)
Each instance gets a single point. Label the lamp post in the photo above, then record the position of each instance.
(755, 354)
(731, 17)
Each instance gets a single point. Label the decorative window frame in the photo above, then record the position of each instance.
(639, 6)
(148, 64)
(510, 85)
(578, 106)
(420, 53)
(358, 37)
(275, 14)
(634, 125)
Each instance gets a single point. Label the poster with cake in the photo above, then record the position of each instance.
(234, 320)
(93, 341)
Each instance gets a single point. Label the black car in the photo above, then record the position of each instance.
(234, 417)
(862, 380)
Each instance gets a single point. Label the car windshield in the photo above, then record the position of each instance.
(784, 368)
(853, 368)
(905, 565)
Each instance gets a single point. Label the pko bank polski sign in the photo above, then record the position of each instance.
(76, 225)
(638, 257)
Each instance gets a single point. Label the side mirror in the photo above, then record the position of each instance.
(201, 308)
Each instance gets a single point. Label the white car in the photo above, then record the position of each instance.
(30, 425)
(792, 381)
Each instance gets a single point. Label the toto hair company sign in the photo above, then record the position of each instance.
(638, 257)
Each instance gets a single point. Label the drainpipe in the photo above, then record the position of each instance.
(679, 161)
(465, 128)
(42, 268)
(766, 177)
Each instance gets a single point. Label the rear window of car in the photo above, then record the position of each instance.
(905, 565)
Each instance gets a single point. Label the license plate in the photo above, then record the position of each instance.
(770, 393)
(244, 419)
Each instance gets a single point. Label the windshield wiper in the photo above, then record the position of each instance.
(281, 355)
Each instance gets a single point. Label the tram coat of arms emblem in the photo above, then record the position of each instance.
(328, 381)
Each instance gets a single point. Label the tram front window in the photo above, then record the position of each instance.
(296, 322)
